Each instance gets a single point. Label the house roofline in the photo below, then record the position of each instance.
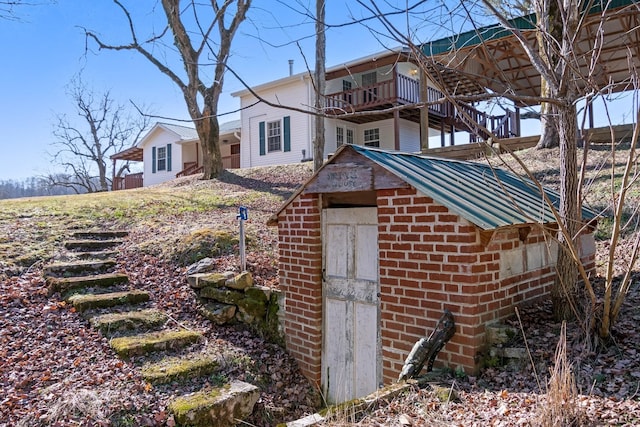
(181, 140)
(307, 74)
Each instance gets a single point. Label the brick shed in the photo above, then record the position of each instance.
(376, 245)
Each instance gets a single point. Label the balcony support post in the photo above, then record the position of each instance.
(396, 129)
(424, 112)
(113, 175)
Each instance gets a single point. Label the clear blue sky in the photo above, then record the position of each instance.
(43, 51)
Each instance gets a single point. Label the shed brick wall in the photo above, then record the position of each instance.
(430, 260)
(300, 247)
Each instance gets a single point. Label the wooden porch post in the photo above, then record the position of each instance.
(396, 129)
(424, 112)
(113, 175)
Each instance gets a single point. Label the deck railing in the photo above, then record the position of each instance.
(405, 90)
(127, 182)
(190, 168)
(231, 162)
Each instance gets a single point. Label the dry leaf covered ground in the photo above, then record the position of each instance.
(55, 370)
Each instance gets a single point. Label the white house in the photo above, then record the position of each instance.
(380, 86)
(169, 151)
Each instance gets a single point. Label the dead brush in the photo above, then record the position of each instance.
(561, 407)
(83, 404)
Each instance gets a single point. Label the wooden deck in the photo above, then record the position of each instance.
(376, 101)
(622, 133)
(133, 180)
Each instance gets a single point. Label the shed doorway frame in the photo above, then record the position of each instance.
(351, 337)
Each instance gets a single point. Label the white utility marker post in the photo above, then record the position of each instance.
(243, 215)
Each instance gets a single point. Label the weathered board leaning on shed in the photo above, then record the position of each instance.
(377, 244)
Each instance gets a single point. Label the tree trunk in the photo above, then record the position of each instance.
(565, 292)
(208, 130)
(550, 24)
(549, 135)
(102, 172)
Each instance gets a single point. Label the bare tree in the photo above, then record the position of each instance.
(549, 23)
(84, 146)
(572, 72)
(547, 18)
(560, 74)
(8, 8)
(198, 47)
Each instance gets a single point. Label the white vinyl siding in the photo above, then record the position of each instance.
(294, 92)
(409, 136)
(160, 139)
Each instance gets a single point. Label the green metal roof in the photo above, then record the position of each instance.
(487, 197)
(497, 31)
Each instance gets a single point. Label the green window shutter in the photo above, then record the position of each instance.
(263, 149)
(153, 160)
(168, 157)
(287, 133)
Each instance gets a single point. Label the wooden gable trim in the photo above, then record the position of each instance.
(485, 236)
(381, 177)
(351, 172)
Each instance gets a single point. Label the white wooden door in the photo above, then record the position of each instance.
(351, 346)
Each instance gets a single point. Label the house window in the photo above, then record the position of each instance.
(372, 137)
(340, 136)
(162, 159)
(274, 136)
(349, 136)
(369, 79)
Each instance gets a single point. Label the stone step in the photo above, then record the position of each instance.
(91, 245)
(112, 323)
(172, 369)
(141, 344)
(78, 268)
(67, 284)
(99, 234)
(218, 407)
(91, 255)
(84, 302)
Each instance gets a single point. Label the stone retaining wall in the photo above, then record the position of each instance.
(226, 298)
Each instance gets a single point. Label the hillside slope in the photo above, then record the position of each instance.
(56, 370)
